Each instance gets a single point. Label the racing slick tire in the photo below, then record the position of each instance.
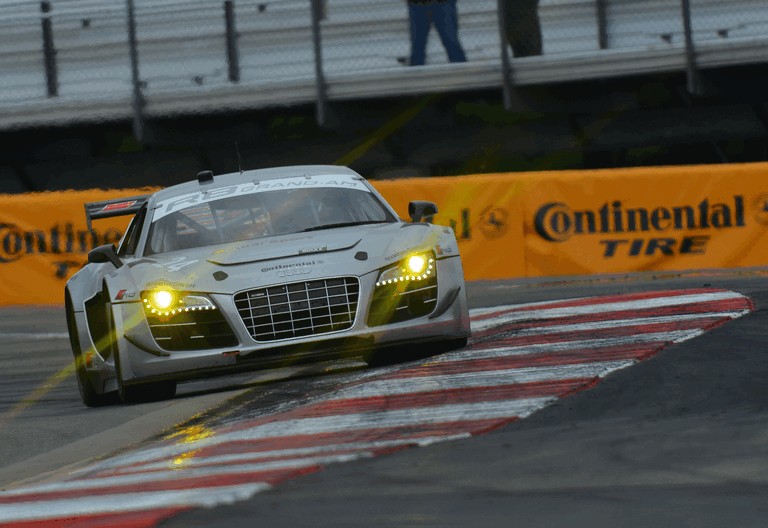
(88, 394)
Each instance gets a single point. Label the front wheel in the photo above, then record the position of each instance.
(88, 393)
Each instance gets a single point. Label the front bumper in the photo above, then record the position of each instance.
(143, 361)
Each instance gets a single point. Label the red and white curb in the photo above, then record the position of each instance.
(522, 358)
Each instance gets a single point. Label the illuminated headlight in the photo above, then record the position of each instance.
(414, 267)
(162, 299)
(166, 301)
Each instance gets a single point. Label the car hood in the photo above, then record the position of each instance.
(279, 247)
(304, 256)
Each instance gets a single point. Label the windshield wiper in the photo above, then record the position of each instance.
(345, 224)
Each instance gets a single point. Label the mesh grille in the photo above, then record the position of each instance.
(299, 309)
(192, 331)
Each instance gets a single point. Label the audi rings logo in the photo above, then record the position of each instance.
(554, 222)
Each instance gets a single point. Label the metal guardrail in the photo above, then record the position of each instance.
(71, 62)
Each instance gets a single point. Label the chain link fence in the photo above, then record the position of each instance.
(70, 59)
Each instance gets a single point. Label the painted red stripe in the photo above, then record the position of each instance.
(441, 397)
(413, 432)
(180, 483)
(135, 519)
(729, 306)
(733, 305)
(197, 457)
(544, 359)
(618, 298)
(606, 333)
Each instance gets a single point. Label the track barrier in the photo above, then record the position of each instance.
(513, 225)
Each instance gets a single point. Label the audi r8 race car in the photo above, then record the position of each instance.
(258, 269)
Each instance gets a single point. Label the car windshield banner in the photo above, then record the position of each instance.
(177, 203)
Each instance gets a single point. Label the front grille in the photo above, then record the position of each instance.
(299, 309)
(194, 330)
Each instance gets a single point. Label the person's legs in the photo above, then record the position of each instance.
(521, 22)
(446, 20)
(420, 22)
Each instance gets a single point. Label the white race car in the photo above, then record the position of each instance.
(259, 269)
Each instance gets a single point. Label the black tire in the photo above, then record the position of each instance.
(88, 394)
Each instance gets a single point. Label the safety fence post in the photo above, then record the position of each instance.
(233, 59)
(321, 97)
(49, 51)
(691, 71)
(602, 25)
(138, 98)
(506, 69)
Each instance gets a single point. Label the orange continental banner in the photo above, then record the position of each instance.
(484, 211)
(508, 225)
(601, 221)
(44, 241)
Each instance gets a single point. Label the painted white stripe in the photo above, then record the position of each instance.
(690, 335)
(563, 346)
(183, 473)
(490, 378)
(507, 377)
(499, 409)
(624, 323)
(34, 335)
(298, 452)
(513, 314)
(126, 502)
(388, 419)
(477, 312)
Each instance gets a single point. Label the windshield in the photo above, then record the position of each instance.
(256, 215)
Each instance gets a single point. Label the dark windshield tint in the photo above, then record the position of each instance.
(263, 214)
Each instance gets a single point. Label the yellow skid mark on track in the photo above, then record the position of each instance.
(37, 394)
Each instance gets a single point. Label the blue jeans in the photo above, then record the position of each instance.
(445, 18)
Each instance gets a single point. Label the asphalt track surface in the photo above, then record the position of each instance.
(677, 440)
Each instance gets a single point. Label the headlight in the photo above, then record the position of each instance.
(416, 264)
(414, 267)
(162, 299)
(165, 301)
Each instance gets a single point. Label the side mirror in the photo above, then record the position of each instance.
(419, 209)
(105, 253)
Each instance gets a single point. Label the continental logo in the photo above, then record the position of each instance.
(623, 226)
(493, 222)
(56, 241)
